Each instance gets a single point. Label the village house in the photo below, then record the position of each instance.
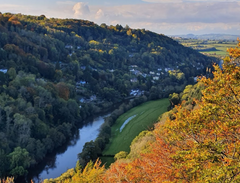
(80, 83)
(168, 69)
(135, 72)
(68, 46)
(156, 78)
(130, 55)
(133, 66)
(93, 97)
(83, 67)
(134, 80)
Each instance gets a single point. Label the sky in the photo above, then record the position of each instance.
(169, 17)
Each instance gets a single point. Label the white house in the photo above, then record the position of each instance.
(155, 78)
(134, 80)
(69, 46)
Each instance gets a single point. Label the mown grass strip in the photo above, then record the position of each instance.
(146, 115)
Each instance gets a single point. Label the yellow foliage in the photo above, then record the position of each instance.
(8, 180)
(92, 173)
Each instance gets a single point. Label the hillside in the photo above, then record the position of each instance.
(54, 73)
(198, 142)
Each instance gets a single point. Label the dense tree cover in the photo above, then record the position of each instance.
(56, 72)
(58, 48)
(199, 145)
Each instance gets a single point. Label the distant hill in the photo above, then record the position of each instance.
(209, 36)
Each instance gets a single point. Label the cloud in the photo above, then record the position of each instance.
(81, 9)
(99, 14)
(13, 8)
(65, 2)
(208, 12)
(163, 1)
(186, 28)
(168, 18)
(192, 1)
(173, 17)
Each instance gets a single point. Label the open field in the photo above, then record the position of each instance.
(131, 123)
(209, 47)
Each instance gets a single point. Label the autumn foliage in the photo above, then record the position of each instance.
(199, 145)
(93, 172)
(63, 90)
(8, 180)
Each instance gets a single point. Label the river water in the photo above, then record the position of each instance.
(65, 158)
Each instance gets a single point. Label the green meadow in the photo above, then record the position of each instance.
(131, 123)
(219, 46)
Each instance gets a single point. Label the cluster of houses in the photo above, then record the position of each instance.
(198, 66)
(70, 47)
(80, 86)
(136, 93)
(154, 75)
(91, 99)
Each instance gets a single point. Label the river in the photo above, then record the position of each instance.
(220, 63)
(66, 157)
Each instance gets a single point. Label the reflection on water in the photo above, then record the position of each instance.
(66, 157)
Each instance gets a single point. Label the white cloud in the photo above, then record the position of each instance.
(81, 9)
(13, 8)
(99, 14)
(168, 18)
(178, 17)
(185, 28)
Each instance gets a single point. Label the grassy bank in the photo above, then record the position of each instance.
(131, 123)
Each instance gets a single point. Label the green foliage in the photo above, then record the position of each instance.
(120, 155)
(174, 98)
(11, 73)
(90, 152)
(19, 160)
(78, 166)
